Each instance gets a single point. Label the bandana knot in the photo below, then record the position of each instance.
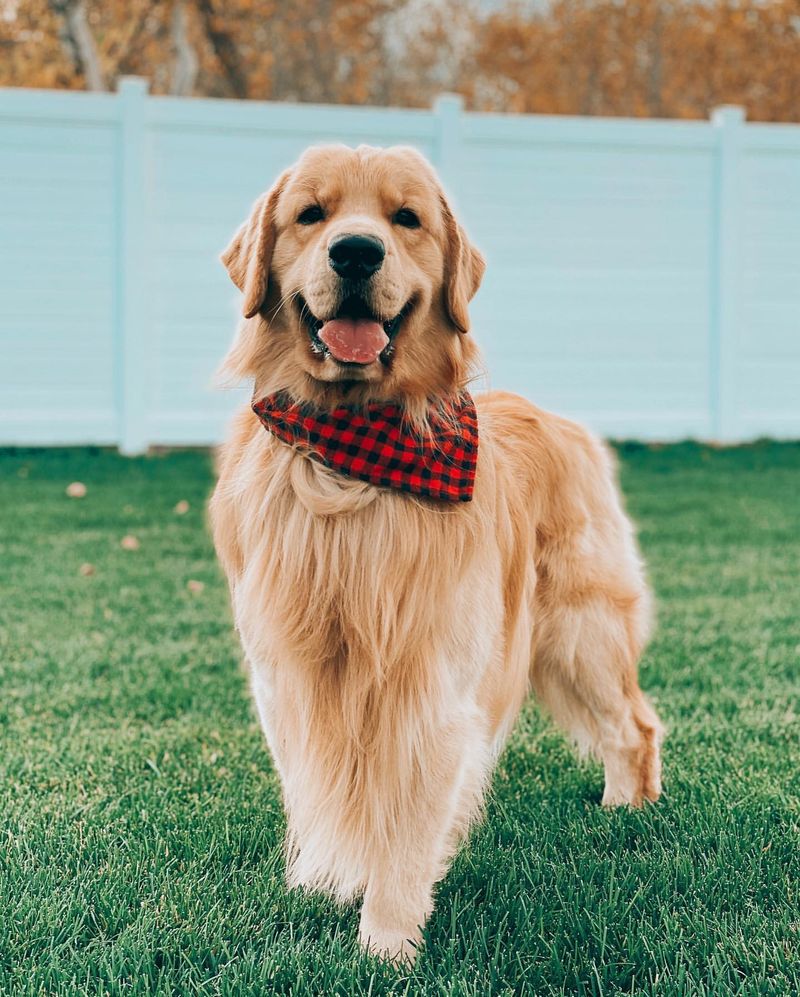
(377, 444)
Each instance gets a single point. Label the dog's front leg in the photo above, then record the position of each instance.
(420, 842)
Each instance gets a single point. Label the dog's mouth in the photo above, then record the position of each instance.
(354, 335)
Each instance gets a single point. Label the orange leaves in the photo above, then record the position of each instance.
(643, 57)
(674, 58)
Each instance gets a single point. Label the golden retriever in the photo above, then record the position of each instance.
(391, 639)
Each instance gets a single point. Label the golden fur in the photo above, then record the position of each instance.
(392, 640)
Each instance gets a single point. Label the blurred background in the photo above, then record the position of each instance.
(630, 170)
(642, 58)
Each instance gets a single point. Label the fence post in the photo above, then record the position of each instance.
(131, 352)
(448, 108)
(728, 121)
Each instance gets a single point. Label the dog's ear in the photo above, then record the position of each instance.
(248, 257)
(463, 270)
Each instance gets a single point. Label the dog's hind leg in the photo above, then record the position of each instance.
(585, 673)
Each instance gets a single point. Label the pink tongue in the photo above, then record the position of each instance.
(354, 340)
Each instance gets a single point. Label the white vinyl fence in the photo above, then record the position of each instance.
(644, 276)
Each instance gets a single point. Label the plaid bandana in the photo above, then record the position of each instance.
(377, 445)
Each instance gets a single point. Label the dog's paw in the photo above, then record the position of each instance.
(393, 945)
(636, 796)
(633, 779)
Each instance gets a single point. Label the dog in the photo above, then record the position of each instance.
(391, 633)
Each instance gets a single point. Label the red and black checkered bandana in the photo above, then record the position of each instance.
(376, 443)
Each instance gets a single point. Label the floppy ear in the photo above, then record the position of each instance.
(463, 270)
(248, 257)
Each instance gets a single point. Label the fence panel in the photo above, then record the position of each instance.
(642, 274)
(58, 232)
(766, 376)
(597, 299)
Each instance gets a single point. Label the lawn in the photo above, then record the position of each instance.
(141, 821)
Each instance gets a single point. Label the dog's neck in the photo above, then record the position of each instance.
(377, 443)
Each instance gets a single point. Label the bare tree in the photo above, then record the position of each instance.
(225, 48)
(185, 65)
(77, 39)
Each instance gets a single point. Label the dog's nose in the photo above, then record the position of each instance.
(356, 256)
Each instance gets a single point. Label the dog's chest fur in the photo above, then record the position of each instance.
(351, 589)
(367, 634)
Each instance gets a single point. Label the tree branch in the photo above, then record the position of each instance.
(224, 48)
(184, 68)
(76, 37)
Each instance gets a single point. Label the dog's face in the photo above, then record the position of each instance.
(356, 280)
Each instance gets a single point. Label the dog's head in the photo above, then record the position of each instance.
(356, 280)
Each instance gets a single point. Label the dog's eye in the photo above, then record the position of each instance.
(310, 215)
(407, 218)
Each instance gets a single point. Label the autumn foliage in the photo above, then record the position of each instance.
(658, 58)
(641, 58)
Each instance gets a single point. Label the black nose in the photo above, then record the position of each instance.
(356, 256)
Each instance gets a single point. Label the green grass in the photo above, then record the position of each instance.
(141, 822)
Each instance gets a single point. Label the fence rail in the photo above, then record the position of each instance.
(644, 276)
